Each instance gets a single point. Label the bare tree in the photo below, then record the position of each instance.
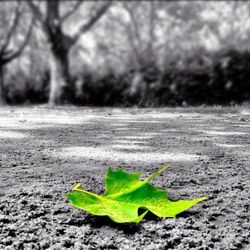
(60, 43)
(140, 27)
(7, 55)
(140, 30)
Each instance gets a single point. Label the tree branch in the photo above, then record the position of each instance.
(71, 12)
(151, 40)
(92, 21)
(131, 39)
(12, 29)
(37, 12)
(9, 57)
(134, 22)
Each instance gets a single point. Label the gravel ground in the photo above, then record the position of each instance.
(45, 152)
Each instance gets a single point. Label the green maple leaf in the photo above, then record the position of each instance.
(125, 194)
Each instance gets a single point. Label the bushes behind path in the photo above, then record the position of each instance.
(219, 78)
(216, 78)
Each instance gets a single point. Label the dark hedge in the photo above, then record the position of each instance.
(216, 78)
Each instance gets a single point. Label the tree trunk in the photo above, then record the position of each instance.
(61, 86)
(2, 97)
(58, 80)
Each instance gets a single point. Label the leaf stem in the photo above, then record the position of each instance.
(158, 172)
(77, 188)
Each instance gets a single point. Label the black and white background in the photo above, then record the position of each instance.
(85, 85)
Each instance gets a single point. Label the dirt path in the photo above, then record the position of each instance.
(44, 152)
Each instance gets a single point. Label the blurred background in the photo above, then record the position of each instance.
(124, 53)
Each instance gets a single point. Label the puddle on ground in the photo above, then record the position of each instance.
(12, 135)
(217, 128)
(106, 153)
(129, 147)
(146, 121)
(214, 132)
(230, 145)
(245, 112)
(68, 120)
(118, 124)
(242, 125)
(123, 129)
(134, 137)
(172, 130)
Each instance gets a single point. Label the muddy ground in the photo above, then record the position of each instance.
(45, 152)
